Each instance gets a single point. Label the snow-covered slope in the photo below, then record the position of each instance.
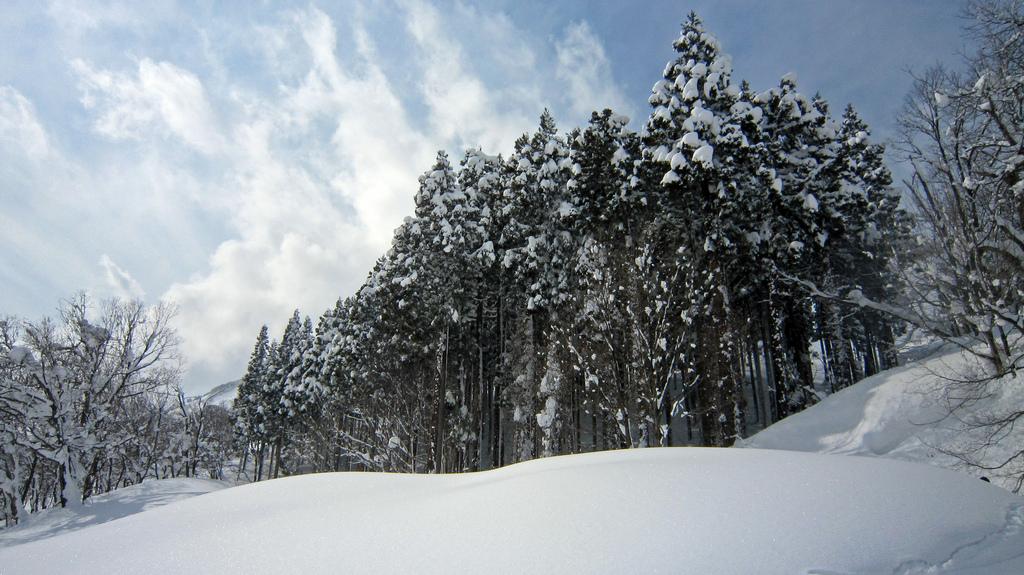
(676, 510)
(904, 414)
(223, 395)
(106, 507)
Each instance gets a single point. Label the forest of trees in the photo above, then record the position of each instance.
(599, 289)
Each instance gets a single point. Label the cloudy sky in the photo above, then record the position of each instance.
(243, 161)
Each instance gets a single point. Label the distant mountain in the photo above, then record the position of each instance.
(223, 394)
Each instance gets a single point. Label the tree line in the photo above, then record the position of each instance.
(601, 288)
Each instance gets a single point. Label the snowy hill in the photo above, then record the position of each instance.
(147, 495)
(902, 414)
(675, 510)
(223, 394)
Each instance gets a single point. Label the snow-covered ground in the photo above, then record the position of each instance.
(106, 507)
(683, 510)
(904, 413)
(676, 510)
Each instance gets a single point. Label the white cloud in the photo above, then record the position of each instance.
(583, 65)
(160, 95)
(494, 34)
(79, 19)
(322, 164)
(120, 282)
(461, 106)
(378, 153)
(322, 170)
(20, 130)
(311, 216)
(77, 16)
(35, 255)
(60, 213)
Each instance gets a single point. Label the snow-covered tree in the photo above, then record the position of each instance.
(963, 136)
(601, 288)
(250, 411)
(68, 389)
(698, 137)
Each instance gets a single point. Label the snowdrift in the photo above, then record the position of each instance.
(675, 510)
(149, 494)
(903, 413)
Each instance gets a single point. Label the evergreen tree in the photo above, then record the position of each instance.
(799, 149)
(708, 194)
(247, 406)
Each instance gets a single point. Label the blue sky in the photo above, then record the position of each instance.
(243, 161)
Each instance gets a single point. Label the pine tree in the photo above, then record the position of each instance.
(624, 347)
(481, 179)
(879, 229)
(535, 254)
(696, 134)
(269, 400)
(799, 149)
(289, 360)
(247, 405)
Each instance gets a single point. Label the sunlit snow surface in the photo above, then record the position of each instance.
(904, 413)
(677, 510)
